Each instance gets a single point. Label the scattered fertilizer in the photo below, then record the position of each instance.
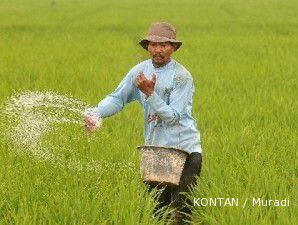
(31, 115)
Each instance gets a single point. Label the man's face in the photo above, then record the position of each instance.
(160, 52)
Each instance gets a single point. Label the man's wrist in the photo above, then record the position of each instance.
(93, 113)
(148, 94)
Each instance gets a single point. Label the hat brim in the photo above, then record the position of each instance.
(144, 42)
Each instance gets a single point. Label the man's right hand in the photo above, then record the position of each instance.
(145, 85)
(90, 123)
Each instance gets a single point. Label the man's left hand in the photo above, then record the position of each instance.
(146, 86)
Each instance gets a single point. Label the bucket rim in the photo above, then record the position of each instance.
(163, 147)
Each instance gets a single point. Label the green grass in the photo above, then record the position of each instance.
(243, 57)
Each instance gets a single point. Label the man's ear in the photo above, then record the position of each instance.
(175, 45)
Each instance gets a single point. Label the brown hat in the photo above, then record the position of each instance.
(160, 32)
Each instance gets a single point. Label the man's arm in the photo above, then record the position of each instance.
(112, 103)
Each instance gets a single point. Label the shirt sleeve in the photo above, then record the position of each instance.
(180, 98)
(115, 101)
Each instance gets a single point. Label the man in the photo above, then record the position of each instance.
(164, 88)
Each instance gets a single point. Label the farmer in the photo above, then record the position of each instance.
(164, 88)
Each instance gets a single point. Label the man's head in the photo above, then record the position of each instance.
(160, 52)
(161, 42)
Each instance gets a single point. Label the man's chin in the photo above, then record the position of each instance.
(158, 62)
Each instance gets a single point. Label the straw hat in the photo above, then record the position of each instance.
(160, 32)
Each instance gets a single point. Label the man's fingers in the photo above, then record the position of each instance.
(89, 122)
(140, 79)
(153, 78)
(137, 82)
(88, 119)
(90, 127)
(142, 76)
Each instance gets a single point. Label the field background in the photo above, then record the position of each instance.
(243, 56)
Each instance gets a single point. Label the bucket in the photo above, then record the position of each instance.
(162, 164)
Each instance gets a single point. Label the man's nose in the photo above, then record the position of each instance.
(158, 49)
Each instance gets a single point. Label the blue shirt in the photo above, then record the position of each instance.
(167, 112)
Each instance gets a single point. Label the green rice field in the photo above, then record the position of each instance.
(243, 56)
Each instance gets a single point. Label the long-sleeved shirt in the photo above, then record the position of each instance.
(167, 112)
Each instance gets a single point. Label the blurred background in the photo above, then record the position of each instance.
(243, 58)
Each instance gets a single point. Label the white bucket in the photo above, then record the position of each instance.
(162, 164)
